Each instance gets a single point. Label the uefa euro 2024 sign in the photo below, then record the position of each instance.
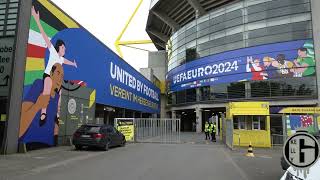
(293, 59)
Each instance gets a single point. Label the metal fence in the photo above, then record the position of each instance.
(156, 130)
(278, 139)
(229, 133)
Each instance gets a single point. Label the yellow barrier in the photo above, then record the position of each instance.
(258, 138)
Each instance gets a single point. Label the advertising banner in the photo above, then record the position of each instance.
(63, 56)
(271, 61)
(295, 122)
(126, 127)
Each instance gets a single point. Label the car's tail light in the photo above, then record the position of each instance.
(98, 136)
(76, 134)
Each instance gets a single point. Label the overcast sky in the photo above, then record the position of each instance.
(106, 19)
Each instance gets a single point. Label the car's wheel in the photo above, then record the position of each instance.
(106, 147)
(123, 143)
(78, 147)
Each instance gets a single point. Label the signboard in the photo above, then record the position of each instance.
(126, 127)
(6, 54)
(292, 59)
(295, 110)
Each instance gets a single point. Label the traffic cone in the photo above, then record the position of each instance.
(250, 151)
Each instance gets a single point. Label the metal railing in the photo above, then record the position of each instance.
(257, 91)
(278, 139)
(156, 130)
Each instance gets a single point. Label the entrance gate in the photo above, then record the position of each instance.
(156, 130)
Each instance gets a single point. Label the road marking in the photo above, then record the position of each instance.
(265, 156)
(65, 162)
(240, 171)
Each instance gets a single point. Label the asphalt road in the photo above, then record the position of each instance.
(186, 161)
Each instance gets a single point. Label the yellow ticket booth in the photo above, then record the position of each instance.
(250, 123)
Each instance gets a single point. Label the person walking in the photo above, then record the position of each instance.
(213, 132)
(210, 129)
(194, 126)
(206, 130)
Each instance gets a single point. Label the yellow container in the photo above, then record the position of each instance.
(243, 137)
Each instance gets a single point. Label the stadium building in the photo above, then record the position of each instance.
(220, 52)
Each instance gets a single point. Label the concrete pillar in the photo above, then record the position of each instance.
(199, 120)
(284, 128)
(248, 89)
(217, 123)
(17, 76)
(174, 116)
(123, 113)
(315, 13)
(198, 94)
(211, 96)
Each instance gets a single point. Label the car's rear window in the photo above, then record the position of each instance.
(90, 129)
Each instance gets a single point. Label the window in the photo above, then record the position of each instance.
(249, 122)
(191, 54)
(239, 122)
(191, 95)
(236, 124)
(205, 93)
(259, 122)
(242, 123)
(260, 89)
(110, 130)
(181, 97)
(256, 123)
(90, 129)
(236, 90)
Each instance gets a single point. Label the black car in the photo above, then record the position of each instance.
(100, 136)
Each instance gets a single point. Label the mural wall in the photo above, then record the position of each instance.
(279, 60)
(294, 122)
(63, 57)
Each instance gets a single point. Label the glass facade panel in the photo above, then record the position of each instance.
(256, 20)
(268, 90)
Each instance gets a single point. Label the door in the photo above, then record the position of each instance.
(111, 132)
(118, 136)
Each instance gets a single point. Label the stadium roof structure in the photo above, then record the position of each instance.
(167, 16)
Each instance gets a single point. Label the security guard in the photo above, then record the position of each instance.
(213, 132)
(206, 130)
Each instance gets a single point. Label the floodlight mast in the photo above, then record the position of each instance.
(118, 41)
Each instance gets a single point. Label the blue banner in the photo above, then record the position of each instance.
(279, 60)
(116, 83)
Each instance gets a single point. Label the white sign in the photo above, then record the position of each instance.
(72, 106)
(6, 54)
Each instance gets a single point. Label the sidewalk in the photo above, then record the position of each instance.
(19, 164)
(197, 138)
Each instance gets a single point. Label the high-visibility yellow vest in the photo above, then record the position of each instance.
(210, 128)
(214, 128)
(206, 128)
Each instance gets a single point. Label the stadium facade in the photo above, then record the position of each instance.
(220, 52)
